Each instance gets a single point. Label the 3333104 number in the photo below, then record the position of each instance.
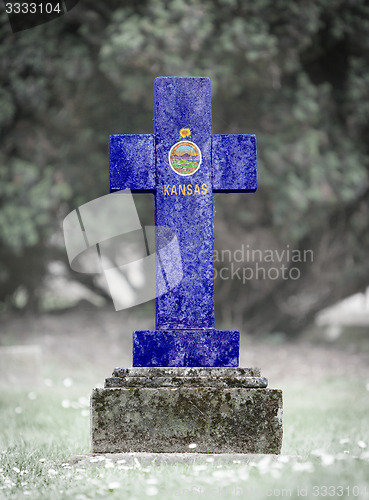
(33, 8)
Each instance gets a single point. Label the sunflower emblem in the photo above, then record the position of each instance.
(184, 133)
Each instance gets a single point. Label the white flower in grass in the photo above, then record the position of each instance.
(219, 473)
(361, 444)
(67, 382)
(152, 491)
(277, 465)
(85, 413)
(243, 474)
(8, 483)
(84, 402)
(15, 469)
(264, 464)
(344, 440)
(275, 473)
(318, 453)
(52, 472)
(65, 403)
(303, 467)
(18, 410)
(114, 485)
(199, 467)
(327, 460)
(225, 475)
(109, 465)
(192, 446)
(341, 456)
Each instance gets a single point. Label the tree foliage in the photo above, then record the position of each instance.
(296, 74)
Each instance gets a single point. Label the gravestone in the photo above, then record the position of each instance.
(185, 386)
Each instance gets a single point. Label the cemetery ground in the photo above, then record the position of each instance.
(43, 426)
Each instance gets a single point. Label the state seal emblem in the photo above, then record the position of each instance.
(185, 156)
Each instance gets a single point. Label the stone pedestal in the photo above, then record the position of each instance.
(165, 410)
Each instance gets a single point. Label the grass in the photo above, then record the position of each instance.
(184, 164)
(325, 451)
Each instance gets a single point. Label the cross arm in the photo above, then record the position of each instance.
(234, 163)
(132, 162)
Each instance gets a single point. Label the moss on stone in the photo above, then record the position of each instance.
(218, 420)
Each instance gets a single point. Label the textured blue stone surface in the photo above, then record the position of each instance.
(234, 163)
(185, 348)
(186, 103)
(132, 162)
(184, 334)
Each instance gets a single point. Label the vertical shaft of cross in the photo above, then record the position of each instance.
(185, 202)
(182, 163)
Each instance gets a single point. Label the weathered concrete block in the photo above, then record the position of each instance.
(133, 416)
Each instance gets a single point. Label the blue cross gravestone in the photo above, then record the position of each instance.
(185, 391)
(183, 164)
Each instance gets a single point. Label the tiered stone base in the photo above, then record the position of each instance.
(165, 410)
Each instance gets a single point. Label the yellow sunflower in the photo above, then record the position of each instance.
(185, 132)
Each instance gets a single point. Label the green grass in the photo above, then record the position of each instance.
(183, 163)
(323, 424)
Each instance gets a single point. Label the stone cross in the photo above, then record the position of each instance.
(183, 164)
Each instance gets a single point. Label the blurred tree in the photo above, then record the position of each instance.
(297, 75)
